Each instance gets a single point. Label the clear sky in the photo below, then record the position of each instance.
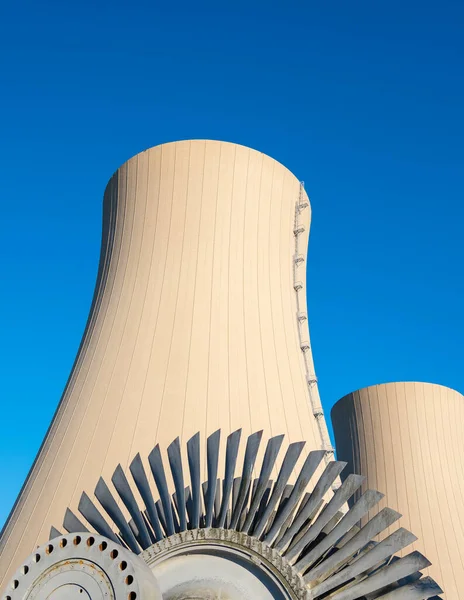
(363, 100)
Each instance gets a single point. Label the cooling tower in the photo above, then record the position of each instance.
(407, 439)
(198, 322)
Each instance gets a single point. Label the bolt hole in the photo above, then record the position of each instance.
(15, 584)
(90, 541)
(103, 546)
(123, 565)
(77, 540)
(132, 596)
(25, 570)
(63, 543)
(37, 558)
(114, 554)
(49, 549)
(129, 579)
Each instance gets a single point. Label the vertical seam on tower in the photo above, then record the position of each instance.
(354, 437)
(402, 454)
(130, 305)
(371, 422)
(259, 295)
(162, 282)
(270, 292)
(144, 302)
(195, 281)
(360, 423)
(281, 302)
(421, 468)
(376, 403)
(453, 491)
(177, 290)
(413, 469)
(442, 486)
(161, 291)
(228, 287)
(430, 486)
(211, 292)
(243, 293)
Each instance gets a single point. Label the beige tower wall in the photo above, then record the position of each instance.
(408, 440)
(195, 325)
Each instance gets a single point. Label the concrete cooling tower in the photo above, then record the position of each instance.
(189, 455)
(407, 439)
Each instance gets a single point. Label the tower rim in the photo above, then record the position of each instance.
(389, 384)
(205, 140)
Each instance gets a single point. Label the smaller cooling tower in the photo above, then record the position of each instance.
(408, 440)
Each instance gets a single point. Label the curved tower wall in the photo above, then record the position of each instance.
(408, 440)
(198, 322)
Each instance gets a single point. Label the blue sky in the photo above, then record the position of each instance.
(363, 100)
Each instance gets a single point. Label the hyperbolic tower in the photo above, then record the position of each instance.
(198, 324)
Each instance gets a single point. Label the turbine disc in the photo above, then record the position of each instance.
(83, 566)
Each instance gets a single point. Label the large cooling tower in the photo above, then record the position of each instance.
(408, 440)
(152, 482)
(198, 322)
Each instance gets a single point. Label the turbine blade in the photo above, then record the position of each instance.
(175, 461)
(125, 492)
(251, 452)
(141, 481)
(193, 453)
(94, 517)
(233, 442)
(106, 499)
(212, 464)
(291, 457)
(157, 468)
(270, 456)
(72, 524)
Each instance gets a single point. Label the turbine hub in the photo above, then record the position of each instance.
(220, 563)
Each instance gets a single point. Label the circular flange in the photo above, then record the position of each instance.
(87, 581)
(82, 566)
(220, 563)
